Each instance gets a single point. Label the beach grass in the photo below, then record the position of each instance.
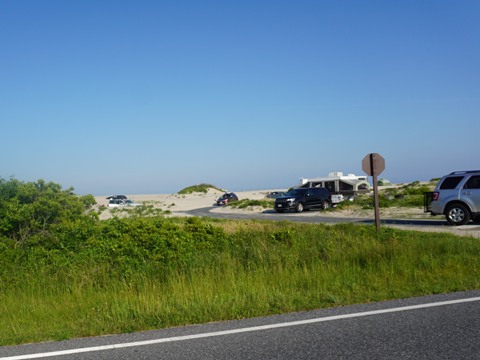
(128, 275)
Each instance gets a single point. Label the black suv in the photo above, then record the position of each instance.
(303, 199)
(117, 197)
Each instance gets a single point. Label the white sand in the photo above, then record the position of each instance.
(178, 204)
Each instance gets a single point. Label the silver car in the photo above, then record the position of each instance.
(457, 196)
(122, 203)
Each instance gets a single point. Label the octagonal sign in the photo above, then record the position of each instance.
(373, 164)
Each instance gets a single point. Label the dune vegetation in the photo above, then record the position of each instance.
(200, 188)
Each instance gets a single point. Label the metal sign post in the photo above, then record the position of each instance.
(373, 164)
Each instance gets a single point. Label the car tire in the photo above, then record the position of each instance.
(325, 205)
(299, 207)
(457, 214)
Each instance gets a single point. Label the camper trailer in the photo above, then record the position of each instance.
(348, 186)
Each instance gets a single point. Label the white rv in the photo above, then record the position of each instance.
(338, 184)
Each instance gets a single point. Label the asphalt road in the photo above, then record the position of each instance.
(270, 215)
(432, 327)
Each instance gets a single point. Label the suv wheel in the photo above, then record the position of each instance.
(457, 214)
(325, 205)
(299, 207)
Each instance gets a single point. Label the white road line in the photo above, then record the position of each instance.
(237, 331)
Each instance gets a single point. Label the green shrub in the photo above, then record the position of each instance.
(244, 203)
(27, 209)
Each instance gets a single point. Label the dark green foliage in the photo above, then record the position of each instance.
(28, 209)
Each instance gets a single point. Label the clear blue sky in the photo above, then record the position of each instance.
(153, 96)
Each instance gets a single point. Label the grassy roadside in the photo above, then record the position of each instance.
(126, 275)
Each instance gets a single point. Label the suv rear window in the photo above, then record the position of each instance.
(450, 182)
(473, 183)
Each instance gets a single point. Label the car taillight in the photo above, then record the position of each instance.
(435, 195)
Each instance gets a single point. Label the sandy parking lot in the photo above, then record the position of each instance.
(178, 205)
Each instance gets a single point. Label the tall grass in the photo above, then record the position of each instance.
(134, 274)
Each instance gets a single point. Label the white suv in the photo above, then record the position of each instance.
(457, 196)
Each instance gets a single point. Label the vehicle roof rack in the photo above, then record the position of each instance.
(464, 172)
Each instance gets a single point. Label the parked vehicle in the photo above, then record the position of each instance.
(122, 203)
(457, 196)
(226, 198)
(130, 202)
(274, 194)
(116, 203)
(117, 197)
(304, 199)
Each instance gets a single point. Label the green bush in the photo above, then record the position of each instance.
(27, 209)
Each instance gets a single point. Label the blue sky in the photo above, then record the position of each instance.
(153, 96)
